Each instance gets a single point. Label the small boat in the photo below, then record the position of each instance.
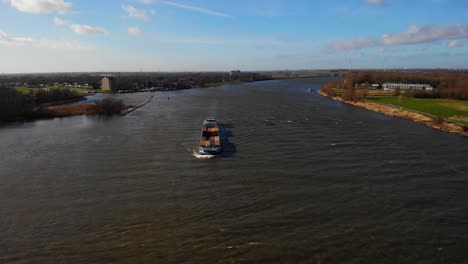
(210, 142)
(310, 90)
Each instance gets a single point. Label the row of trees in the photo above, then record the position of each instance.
(447, 84)
(51, 78)
(433, 78)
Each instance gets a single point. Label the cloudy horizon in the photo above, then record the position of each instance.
(208, 35)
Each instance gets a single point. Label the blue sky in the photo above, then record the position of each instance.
(218, 35)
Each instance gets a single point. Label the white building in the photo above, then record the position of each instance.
(406, 86)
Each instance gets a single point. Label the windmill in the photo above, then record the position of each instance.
(386, 63)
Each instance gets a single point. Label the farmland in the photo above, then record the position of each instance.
(453, 110)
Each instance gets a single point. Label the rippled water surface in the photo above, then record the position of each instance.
(303, 179)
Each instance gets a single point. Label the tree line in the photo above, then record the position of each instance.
(128, 81)
(447, 84)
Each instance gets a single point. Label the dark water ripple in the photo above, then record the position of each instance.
(304, 180)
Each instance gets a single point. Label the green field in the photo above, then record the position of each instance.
(76, 89)
(24, 90)
(102, 91)
(220, 83)
(453, 110)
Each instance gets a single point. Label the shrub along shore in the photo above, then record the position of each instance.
(106, 106)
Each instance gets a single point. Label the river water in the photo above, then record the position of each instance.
(303, 179)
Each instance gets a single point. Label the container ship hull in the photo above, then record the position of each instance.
(210, 142)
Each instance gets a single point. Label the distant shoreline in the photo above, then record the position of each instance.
(266, 80)
(410, 115)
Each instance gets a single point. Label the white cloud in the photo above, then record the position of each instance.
(60, 22)
(187, 7)
(424, 34)
(62, 44)
(134, 12)
(41, 6)
(376, 2)
(194, 41)
(5, 39)
(414, 35)
(80, 29)
(455, 44)
(358, 43)
(134, 31)
(87, 30)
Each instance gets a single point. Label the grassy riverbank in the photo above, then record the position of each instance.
(453, 110)
(388, 106)
(442, 105)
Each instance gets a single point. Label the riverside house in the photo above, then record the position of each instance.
(406, 86)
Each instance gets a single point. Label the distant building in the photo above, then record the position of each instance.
(236, 72)
(108, 83)
(406, 86)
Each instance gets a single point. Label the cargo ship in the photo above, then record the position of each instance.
(210, 142)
